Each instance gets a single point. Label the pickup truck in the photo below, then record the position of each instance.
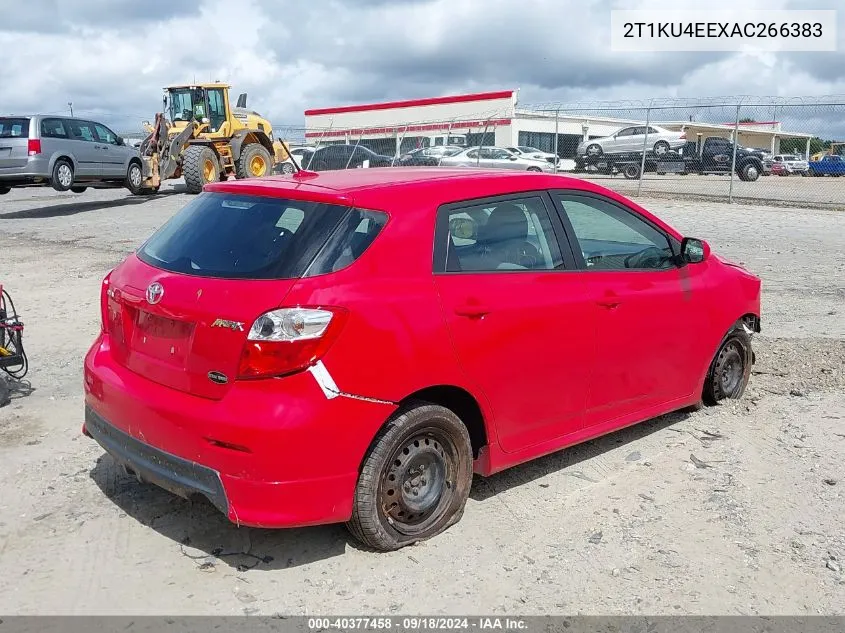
(715, 157)
(830, 165)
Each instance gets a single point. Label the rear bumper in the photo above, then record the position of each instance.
(270, 453)
(179, 476)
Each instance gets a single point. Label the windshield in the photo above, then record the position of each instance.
(529, 150)
(182, 105)
(247, 237)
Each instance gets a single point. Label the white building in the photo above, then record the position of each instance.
(493, 118)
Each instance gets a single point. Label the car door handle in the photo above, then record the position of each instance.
(472, 310)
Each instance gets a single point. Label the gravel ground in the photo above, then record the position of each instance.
(736, 509)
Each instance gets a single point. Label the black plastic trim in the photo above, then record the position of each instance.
(175, 474)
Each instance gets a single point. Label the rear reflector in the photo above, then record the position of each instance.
(34, 146)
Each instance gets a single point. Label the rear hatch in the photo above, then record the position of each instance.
(14, 142)
(179, 310)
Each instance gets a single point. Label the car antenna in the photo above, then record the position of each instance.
(300, 173)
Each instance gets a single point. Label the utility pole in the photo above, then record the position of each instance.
(70, 105)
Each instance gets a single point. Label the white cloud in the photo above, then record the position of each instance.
(111, 58)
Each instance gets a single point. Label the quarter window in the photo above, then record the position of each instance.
(53, 128)
(611, 238)
(511, 235)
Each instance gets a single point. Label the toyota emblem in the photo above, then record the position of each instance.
(155, 291)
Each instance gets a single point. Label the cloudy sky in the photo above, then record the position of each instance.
(112, 57)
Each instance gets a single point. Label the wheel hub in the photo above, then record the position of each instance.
(416, 483)
(730, 369)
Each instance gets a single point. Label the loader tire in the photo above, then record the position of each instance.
(255, 162)
(199, 167)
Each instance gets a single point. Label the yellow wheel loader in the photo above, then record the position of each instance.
(200, 138)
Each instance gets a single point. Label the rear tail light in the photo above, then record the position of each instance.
(104, 304)
(288, 340)
(34, 146)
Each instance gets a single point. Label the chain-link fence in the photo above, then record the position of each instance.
(746, 149)
(770, 150)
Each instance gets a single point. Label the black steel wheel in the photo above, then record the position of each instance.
(730, 369)
(415, 479)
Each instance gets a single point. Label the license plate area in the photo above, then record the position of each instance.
(162, 338)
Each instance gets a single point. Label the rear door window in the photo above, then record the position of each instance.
(14, 127)
(252, 237)
(82, 130)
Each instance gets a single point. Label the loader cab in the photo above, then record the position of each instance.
(207, 104)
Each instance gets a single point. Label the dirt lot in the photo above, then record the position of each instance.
(734, 509)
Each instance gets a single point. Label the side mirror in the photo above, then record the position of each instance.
(514, 157)
(694, 251)
(119, 140)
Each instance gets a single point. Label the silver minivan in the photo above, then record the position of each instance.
(69, 154)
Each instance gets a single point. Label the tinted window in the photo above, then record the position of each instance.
(53, 128)
(509, 235)
(82, 130)
(14, 128)
(353, 235)
(626, 132)
(612, 238)
(243, 237)
(105, 134)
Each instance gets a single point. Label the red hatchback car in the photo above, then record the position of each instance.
(352, 346)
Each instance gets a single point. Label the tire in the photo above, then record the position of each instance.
(661, 148)
(255, 162)
(199, 167)
(79, 189)
(631, 171)
(4, 190)
(749, 172)
(287, 169)
(730, 369)
(535, 169)
(423, 447)
(62, 178)
(134, 178)
(593, 149)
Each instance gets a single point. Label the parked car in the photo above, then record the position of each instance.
(633, 139)
(65, 153)
(779, 169)
(427, 156)
(829, 165)
(498, 157)
(791, 165)
(351, 346)
(343, 156)
(299, 153)
(532, 152)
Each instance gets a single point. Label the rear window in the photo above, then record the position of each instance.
(254, 237)
(14, 127)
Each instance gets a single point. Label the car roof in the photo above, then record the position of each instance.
(385, 187)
